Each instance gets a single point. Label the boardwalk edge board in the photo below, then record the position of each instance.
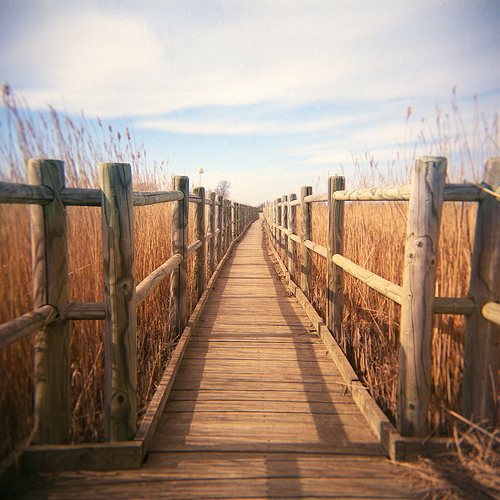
(397, 447)
(118, 455)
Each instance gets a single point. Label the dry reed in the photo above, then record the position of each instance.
(30, 135)
(374, 238)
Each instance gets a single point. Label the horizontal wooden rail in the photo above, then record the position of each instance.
(374, 281)
(452, 192)
(85, 311)
(425, 195)
(42, 195)
(81, 197)
(147, 285)
(319, 249)
(442, 305)
(194, 246)
(194, 199)
(11, 192)
(491, 311)
(19, 327)
(142, 198)
(47, 191)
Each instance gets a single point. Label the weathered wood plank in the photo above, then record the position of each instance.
(269, 428)
(96, 456)
(245, 394)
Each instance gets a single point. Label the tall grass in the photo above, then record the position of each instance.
(81, 146)
(374, 238)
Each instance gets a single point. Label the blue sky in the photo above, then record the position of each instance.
(269, 95)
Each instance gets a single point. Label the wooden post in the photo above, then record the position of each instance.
(305, 230)
(335, 296)
(238, 219)
(279, 223)
(292, 249)
(284, 218)
(233, 221)
(50, 287)
(120, 372)
(482, 341)
(211, 229)
(417, 307)
(224, 226)
(273, 223)
(220, 228)
(178, 277)
(275, 242)
(199, 234)
(228, 225)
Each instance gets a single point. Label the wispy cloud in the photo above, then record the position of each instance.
(115, 60)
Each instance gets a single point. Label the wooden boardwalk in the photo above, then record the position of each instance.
(258, 409)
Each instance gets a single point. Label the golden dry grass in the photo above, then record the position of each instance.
(81, 150)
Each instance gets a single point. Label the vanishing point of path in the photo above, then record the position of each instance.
(258, 409)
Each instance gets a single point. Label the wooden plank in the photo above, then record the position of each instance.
(245, 394)
(250, 488)
(215, 383)
(152, 416)
(312, 344)
(257, 406)
(289, 355)
(98, 456)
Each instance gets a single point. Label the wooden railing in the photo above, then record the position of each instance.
(425, 195)
(47, 194)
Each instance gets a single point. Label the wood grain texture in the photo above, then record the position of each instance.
(199, 234)
(255, 411)
(417, 306)
(178, 276)
(120, 376)
(12, 192)
(305, 235)
(19, 327)
(334, 281)
(482, 342)
(50, 287)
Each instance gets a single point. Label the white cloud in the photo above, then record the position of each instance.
(117, 59)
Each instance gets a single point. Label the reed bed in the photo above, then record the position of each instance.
(374, 238)
(81, 148)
